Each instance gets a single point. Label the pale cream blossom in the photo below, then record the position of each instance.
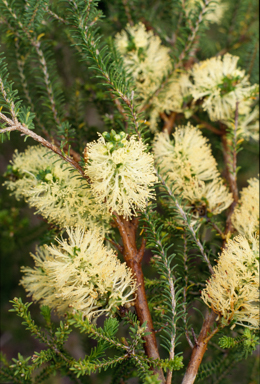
(121, 174)
(245, 218)
(190, 169)
(233, 289)
(248, 125)
(55, 189)
(79, 273)
(215, 9)
(144, 57)
(174, 97)
(219, 83)
(148, 62)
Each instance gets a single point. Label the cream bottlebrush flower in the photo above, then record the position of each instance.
(248, 125)
(191, 170)
(175, 97)
(79, 273)
(220, 84)
(121, 173)
(245, 218)
(54, 189)
(144, 58)
(233, 290)
(215, 9)
(148, 62)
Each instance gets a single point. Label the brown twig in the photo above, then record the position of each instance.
(25, 131)
(168, 121)
(200, 348)
(230, 159)
(133, 258)
(217, 229)
(205, 124)
(116, 245)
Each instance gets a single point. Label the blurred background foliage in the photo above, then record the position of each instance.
(89, 109)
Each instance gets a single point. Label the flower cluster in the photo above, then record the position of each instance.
(191, 170)
(55, 189)
(220, 84)
(233, 290)
(245, 218)
(215, 84)
(148, 62)
(79, 273)
(174, 97)
(121, 173)
(144, 57)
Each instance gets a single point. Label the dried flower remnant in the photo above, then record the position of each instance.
(121, 173)
(245, 218)
(55, 189)
(220, 84)
(79, 273)
(191, 170)
(233, 290)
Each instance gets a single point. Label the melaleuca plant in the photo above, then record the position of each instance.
(149, 248)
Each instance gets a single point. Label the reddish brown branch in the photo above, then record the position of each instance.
(168, 121)
(230, 173)
(25, 131)
(133, 258)
(210, 127)
(200, 348)
(117, 246)
(142, 248)
(75, 155)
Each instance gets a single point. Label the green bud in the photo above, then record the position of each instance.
(48, 177)
(110, 146)
(113, 133)
(122, 134)
(117, 138)
(106, 135)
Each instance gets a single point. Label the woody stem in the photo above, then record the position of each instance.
(133, 258)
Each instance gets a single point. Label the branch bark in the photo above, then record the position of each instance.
(25, 131)
(230, 159)
(200, 348)
(133, 258)
(168, 121)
